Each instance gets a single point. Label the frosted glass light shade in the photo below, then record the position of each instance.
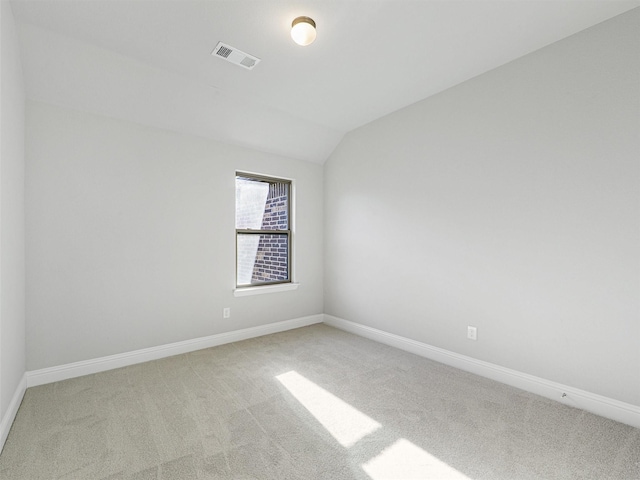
(303, 31)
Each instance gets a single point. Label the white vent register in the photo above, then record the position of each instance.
(235, 56)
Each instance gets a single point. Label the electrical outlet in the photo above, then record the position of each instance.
(472, 333)
(226, 312)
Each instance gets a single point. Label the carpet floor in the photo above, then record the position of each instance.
(310, 403)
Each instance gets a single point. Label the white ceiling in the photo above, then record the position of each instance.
(149, 61)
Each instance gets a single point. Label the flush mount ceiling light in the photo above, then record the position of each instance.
(303, 31)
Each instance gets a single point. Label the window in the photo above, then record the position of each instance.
(263, 230)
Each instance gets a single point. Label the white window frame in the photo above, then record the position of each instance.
(291, 284)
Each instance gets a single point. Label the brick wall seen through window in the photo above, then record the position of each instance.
(262, 230)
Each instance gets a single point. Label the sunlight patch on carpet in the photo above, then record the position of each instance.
(406, 460)
(345, 423)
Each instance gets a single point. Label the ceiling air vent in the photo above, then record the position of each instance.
(235, 56)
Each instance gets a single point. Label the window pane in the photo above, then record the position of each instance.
(261, 205)
(262, 258)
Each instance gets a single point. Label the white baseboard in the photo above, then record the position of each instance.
(87, 367)
(591, 402)
(12, 411)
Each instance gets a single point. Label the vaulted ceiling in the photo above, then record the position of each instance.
(150, 61)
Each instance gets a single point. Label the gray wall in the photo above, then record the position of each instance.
(131, 240)
(509, 202)
(12, 270)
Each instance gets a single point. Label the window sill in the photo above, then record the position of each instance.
(282, 287)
